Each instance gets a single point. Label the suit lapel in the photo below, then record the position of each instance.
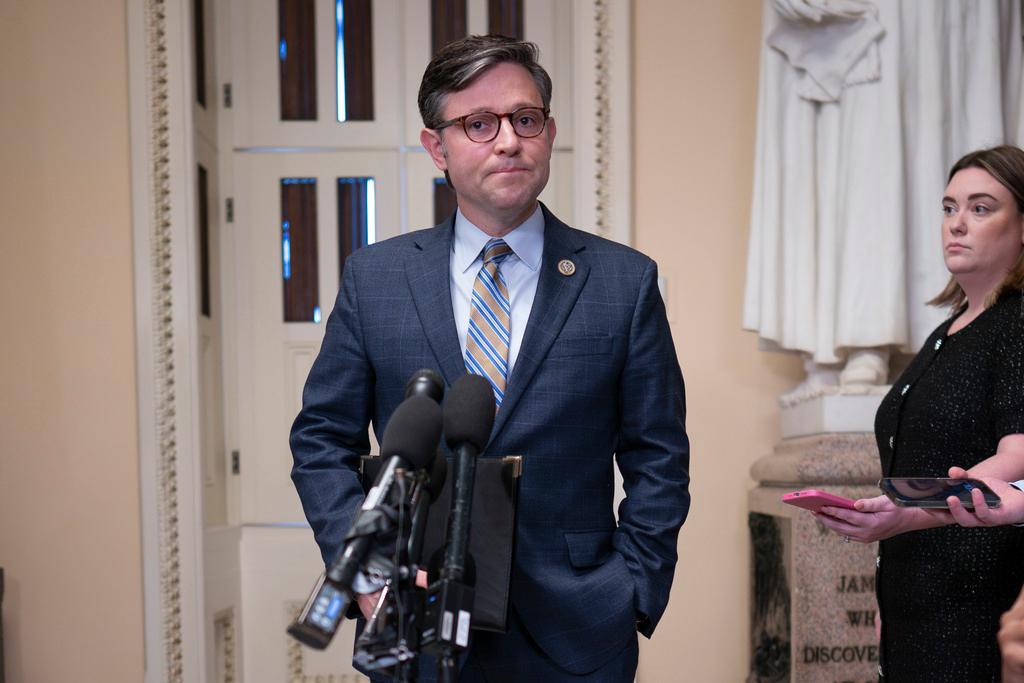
(428, 273)
(555, 298)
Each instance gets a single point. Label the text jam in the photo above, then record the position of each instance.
(856, 583)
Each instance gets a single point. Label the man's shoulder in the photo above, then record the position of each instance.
(600, 248)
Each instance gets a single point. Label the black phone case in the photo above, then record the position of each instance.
(932, 492)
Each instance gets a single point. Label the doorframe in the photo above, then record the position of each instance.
(166, 304)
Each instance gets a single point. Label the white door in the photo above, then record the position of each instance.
(274, 354)
(288, 180)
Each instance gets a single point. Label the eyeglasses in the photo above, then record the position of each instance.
(483, 126)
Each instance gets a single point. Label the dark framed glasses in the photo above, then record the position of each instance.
(483, 126)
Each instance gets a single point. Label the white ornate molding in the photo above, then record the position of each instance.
(224, 625)
(602, 80)
(166, 347)
(163, 338)
(296, 656)
(602, 117)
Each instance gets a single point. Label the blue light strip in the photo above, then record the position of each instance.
(371, 210)
(339, 16)
(286, 249)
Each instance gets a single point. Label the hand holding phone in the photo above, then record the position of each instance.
(932, 492)
(813, 499)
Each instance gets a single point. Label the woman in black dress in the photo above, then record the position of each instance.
(941, 588)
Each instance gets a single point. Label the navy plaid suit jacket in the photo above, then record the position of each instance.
(596, 379)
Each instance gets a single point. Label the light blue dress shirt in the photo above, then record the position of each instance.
(521, 271)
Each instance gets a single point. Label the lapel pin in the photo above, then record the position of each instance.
(566, 267)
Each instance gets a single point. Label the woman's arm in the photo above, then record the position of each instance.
(996, 471)
(1007, 463)
(879, 518)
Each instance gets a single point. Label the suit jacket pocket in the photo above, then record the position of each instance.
(581, 346)
(589, 548)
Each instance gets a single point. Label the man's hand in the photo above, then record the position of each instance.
(1010, 510)
(1011, 642)
(367, 603)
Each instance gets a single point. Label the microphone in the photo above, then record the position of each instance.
(423, 496)
(425, 382)
(468, 420)
(387, 639)
(411, 436)
(411, 439)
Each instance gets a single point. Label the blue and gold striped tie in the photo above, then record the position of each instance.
(489, 312)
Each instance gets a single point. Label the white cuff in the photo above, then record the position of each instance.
(1019, 485)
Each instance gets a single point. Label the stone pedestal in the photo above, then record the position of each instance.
(814, 603)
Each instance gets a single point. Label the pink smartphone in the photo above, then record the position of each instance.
(813, 499)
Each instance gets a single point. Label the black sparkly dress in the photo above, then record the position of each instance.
(941, 591)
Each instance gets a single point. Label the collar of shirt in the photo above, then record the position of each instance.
(526, 241)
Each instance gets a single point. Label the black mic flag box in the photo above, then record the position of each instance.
(491, 534)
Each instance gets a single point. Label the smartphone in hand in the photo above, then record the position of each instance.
(813, 499)
(932, 492)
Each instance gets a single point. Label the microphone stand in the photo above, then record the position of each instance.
(468, 418)
(450, 600)
(420, 501)
(391, 636)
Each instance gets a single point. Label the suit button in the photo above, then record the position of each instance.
(892, 442)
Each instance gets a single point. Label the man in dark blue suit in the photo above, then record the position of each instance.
(580, 356)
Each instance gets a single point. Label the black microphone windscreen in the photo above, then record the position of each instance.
(413, 431)
(425, 382)
(438, 473)
(469, 412)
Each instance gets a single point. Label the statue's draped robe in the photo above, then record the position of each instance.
(863, 107)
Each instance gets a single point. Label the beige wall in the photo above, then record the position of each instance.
(696, 69)
(69, 510)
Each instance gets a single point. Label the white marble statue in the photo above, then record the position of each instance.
(863, 107)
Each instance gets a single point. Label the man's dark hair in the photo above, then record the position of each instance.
(458, 64)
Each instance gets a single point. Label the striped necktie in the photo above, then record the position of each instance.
(489, 310)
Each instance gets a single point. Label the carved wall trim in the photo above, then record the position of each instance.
(167, 339)
(163, 338)
(224, 625)
(602, 75)
(602, 117)
(297, 660)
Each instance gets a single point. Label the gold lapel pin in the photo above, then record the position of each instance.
(566, 267)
